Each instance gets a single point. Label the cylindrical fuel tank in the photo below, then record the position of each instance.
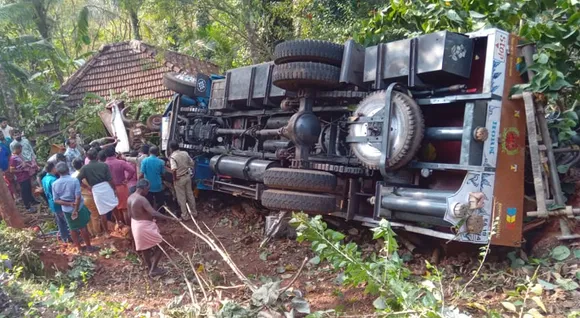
(244, 168)
(413, 205)
(427, 194)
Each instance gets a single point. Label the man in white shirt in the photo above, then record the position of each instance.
(72, 134)
(6, 129)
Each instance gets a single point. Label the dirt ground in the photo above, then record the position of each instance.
(239, 226)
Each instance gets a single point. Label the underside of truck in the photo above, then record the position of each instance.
(422, 132)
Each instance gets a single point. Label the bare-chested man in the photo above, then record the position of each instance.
(145, 230)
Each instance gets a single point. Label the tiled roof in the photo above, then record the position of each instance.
(134, 67)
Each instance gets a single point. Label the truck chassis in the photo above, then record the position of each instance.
(421, 132)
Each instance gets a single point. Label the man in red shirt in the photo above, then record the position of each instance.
(121, 172)
(21, 169)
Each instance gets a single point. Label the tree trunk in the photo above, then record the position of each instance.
(8, 211)
(8, 98)
(135, 24)
(251, 32)
(43, 27)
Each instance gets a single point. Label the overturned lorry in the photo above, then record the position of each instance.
(421, 132)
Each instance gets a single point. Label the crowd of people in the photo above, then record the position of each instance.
(86, 186)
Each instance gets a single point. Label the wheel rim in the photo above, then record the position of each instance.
(369, 153)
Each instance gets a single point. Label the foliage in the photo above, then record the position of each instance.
(554, 26)
(16, 245)
(107, 252)
(530, 289)
(67, 303)
(41, 297)
(383, 274)
(83, 268)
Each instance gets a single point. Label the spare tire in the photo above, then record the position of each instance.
(308, 51)
(406, 133)
(180, 83)
(299, 179)
(300, 75)
(298, 201)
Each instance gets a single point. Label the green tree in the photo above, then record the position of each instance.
(554, 26)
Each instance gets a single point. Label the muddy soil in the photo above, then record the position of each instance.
(121, 276)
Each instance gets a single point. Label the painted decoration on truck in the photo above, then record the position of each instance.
(510, 217)
(491, 145)
(510, 141)
(498, 69)
(474, 182)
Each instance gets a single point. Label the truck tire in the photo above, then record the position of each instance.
(298, 201)
(299, 75)
(154, 122)
(308, 51)
(298, 179)
(407, 125)
(178, 85)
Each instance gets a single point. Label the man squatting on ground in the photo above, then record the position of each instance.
(145, 230)
(98, 176)
(66, 192)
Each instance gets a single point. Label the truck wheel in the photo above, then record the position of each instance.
(154, 122)
(180, 83)
(308, 51)
(298, 201)
(299, 75)
(297, 179)
(406, 133)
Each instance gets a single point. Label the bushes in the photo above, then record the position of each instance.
(383, 273)
(16, 245)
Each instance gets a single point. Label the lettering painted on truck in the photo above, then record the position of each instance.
(493, 137)
(501, 46)
(500, 53)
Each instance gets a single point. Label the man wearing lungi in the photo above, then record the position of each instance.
(145, 230)
(98, 176)
(94, 225)
(66, 191)
(119, 171)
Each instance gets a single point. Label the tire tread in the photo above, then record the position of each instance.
(298, 201)
(308, 51)
(299, 179)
